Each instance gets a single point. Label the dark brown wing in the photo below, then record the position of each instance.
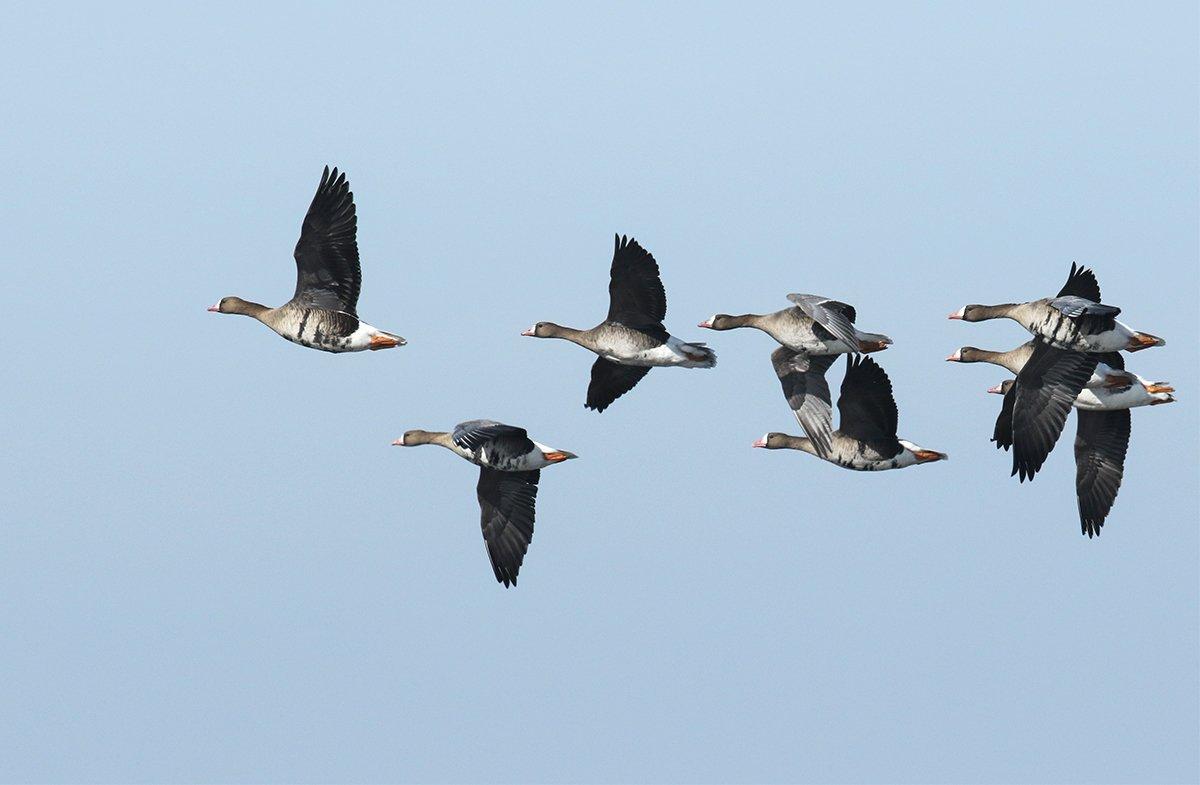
(1046, 387)
(1002, 435)
(610, 381)
(635, 290)
(327, 270)
(1100, 446)
(1081, 282)
(866, 406)
(506, 504)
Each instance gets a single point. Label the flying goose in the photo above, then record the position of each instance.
(321, 314)
(1074, 319)
(1105, 375)
(632, 339)
(510, 467)
(816, 325)
(1101, 441)
(866, 437)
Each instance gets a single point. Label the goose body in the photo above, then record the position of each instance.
(1075, 319)
(510, 469)
(1139, 392)
(816, 325)
(866, 437)
(322, 313)
(632, 339)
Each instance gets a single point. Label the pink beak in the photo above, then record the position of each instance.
(956, 315)
(705, 323)
(527, 332)
(215, 308)
(759, 443)
(399, 442)
(996, 389)
(954, 357)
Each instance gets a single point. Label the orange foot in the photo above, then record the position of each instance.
(871, 346)
(1159, 387)
(382, 342)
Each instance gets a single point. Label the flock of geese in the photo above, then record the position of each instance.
(1073, 361)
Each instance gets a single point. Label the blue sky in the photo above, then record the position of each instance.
(214, 568)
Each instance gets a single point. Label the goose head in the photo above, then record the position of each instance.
(971, 313)
(544, 330)
(966, 354)
(720, 321)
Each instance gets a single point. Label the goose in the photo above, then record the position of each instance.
(866, 437)
(1108, 371)
(510, 465)
(816, 325)
(321, 314)
(1101, 442)
(1137, 392)
(1074, 319)
(632, 339)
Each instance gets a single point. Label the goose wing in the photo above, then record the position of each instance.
(1081, 282)
(1002, 434)
(807, 392)
(506, 504)
(327, 270)
(501, 441)
(1101, 442)
(1046, 387)
(610, 381)
(635, 290)
(867, 407)
(836, 317)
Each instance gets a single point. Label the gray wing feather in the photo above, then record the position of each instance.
(836, 317)
(807, 392)
(1074, 307)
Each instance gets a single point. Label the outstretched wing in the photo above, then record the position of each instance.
(500, 440)
(1046, 387)
(836, 317)
(867, 407)
(610, 381)
(636, 297)
(327, 270)
(807, 392)
(506, 504)
(1081, 282)
(1100, 446)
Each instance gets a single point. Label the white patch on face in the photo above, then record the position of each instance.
(960, 312)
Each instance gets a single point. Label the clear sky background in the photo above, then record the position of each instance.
(213, 566)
